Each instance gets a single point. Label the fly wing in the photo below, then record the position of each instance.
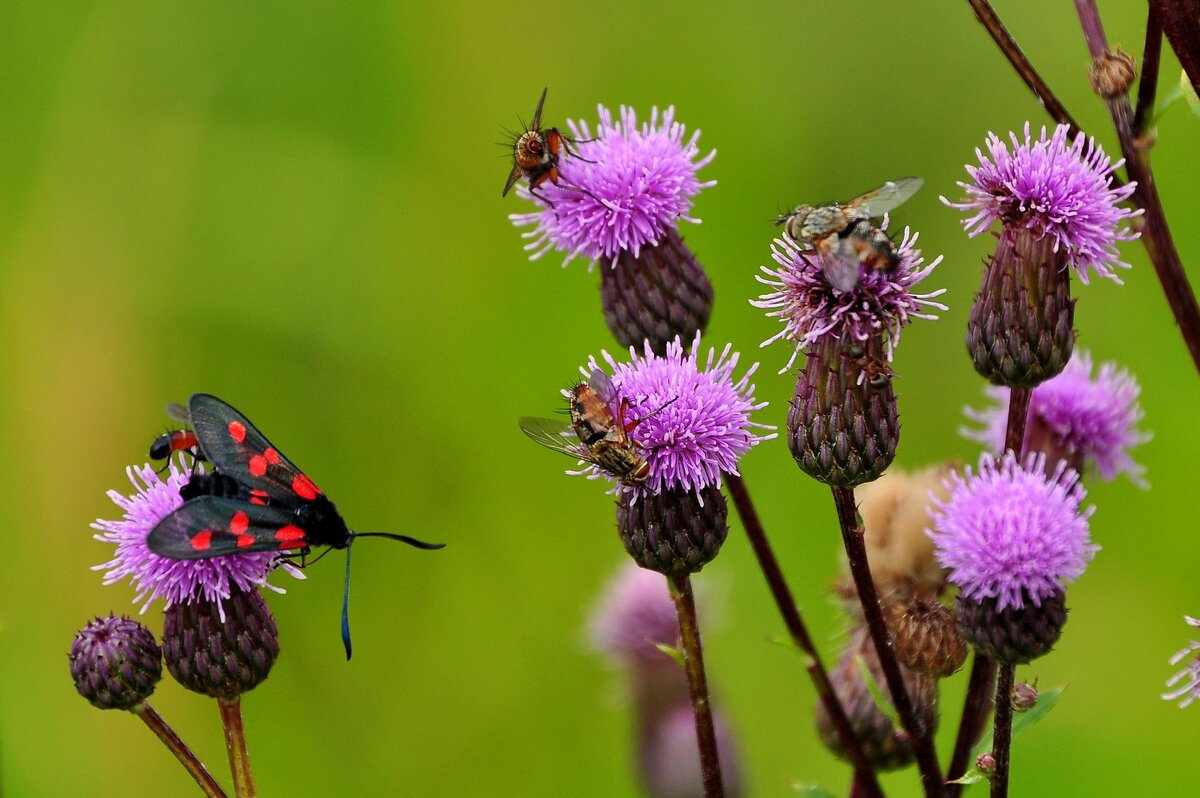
(232, 443)
(841, 271)
(890, 195)
(213, 526)
(179, 413)
(555, 435)
(603, 385)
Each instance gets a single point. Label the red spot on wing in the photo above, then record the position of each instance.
(258, 496)
(291, 537)
(201, 541)
(304, 487)
(258, 465)
(245, 541)
(258, 500)
(237, 431)
(238, 524)
(271, 456)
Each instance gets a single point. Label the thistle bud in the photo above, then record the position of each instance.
(115, 662)
(885, 746)
(1024, 697)
(1021, 328)
(1013, 635)
(221, 649)
(925, 636)
(1112, 74)
(674, 532)
(843, 426)
(657, 294)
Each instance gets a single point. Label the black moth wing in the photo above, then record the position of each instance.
(234, 445)
(212, 526)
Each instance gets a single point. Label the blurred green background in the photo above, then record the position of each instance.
(297, 207)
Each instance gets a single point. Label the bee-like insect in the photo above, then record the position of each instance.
(843, 234)
(597, 434)
(536, 153)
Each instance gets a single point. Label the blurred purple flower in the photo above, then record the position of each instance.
(640, 180)
(1094, 419)
(175, 581)
(1050, 187)
(1189, 677)
(694, 422)
(882, 303)
(1011, 534)
(636, 614)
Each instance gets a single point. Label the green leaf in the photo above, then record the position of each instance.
(672, 652)
(1023, 720)
(1189, 93)
(811, 790)
(881, 700)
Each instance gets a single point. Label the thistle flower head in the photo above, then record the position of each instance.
(1052, 188)
(1188, 679)
(625, 187)
(1011, 534)
(1092, 419)
(115, 662)
(175, 581)
(883, 302)
(636, 614)
(692, 422)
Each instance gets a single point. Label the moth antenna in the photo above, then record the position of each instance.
(346, 607)
(419, 544)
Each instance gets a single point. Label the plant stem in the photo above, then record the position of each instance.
(1148, 81)
(865, 782)
(860, 570)
(1004, 40)
(1002, 730)
(1018, 414)
(689, 631)
(976, 706)
(235, 745)
(1180, 21)
(177, 747)
(1157, 235)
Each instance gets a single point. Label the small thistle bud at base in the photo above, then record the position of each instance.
(675, 532)
(1014, 635)
(986, 763)
(885, 746)
(221, 658)
(656, 295)
(1021, 329)
(925, 636)
(843, 426)
(1112, 74)
(1024, 697)
(115, 662)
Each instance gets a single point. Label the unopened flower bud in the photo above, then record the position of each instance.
(1013, 635)
(986, 763)
(925, 636)
(115, 662)
(1024, 697)
(1112, 74)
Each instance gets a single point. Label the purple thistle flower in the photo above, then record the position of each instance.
(640, 180)
(1010, 533)
(175, 581)
(1092, 420)
(882, 303)
(635, 615)
(1189, 676)
(694, 422)
(1052, 188)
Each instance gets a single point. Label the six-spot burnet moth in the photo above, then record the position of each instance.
(255, 499)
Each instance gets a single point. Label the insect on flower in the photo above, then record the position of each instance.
(597, 434)
(536, 153)
(843, 234)
(176, 440)
(255, 500)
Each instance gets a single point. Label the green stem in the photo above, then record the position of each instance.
(177, 747)
(235, 745)
(689, 631)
